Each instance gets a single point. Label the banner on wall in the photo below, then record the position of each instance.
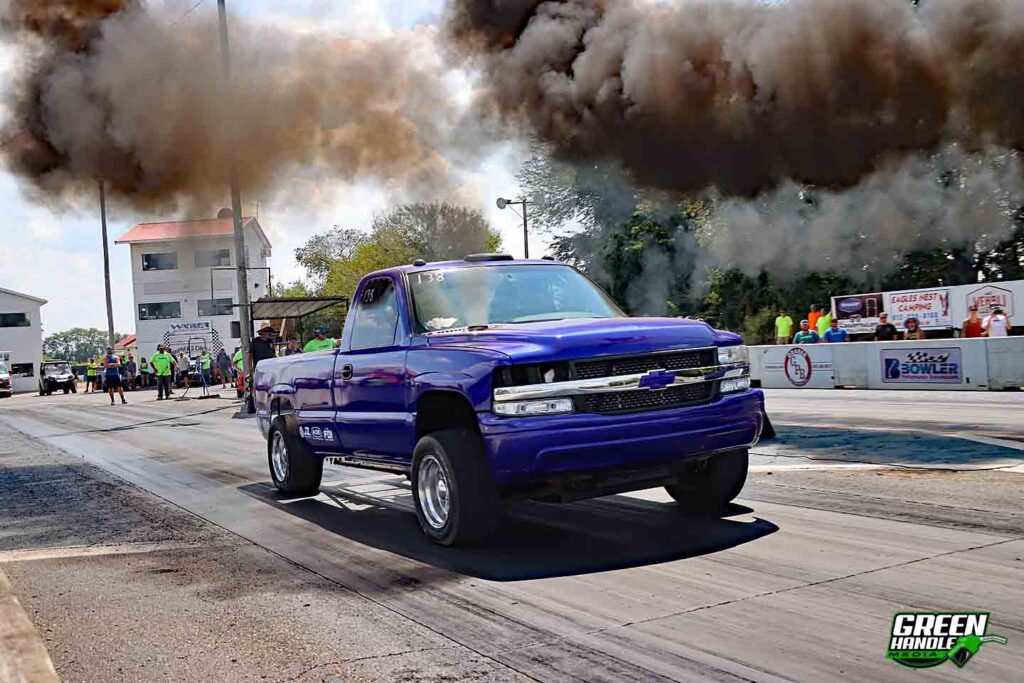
(922, 366)
(990, 296)
(929, 306)
(197, 327)
(798, 367)
(858, 313)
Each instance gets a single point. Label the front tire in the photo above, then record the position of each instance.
(294, 467)
(457, 502)
(715, 486)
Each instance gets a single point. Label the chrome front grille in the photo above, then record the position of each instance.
(642, 399)
(631, 365)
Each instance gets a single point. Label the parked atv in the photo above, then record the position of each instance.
(56, 375)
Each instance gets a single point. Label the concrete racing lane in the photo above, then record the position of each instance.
(867, 504)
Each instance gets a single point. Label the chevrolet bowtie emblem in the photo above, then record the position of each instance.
(657, 380)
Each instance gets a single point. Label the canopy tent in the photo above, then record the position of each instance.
(288, 307)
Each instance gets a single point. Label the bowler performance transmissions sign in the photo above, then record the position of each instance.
(923, 366)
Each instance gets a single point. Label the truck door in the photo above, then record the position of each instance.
(370, 392)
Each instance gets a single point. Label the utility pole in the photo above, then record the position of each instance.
(504, 204)
(526, 233)
(106, 262)
(241, 262)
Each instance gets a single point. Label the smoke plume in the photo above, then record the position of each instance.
(742, 95)
(108, 89)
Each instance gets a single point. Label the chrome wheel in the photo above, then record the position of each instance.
(434, 492)
(279, 457)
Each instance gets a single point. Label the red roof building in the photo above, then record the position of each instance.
(185, 230)
(126, 343)
(184, 282)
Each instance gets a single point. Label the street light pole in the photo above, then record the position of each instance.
(505, 203)
(106, 262)
(241, 262)
(526, 233)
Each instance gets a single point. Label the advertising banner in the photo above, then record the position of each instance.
(798, 367)
(922, 366)
(858, 313)
(198, 327)
(988, 296)
(929, 306)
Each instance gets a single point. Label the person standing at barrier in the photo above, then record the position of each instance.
(885, 330)
(90, 377)
(321, 341)
(971, 327)
(913, 331)
(824, 321)
(812, 317)
(112, 375)
(131, 370)
(806, 335)
(162, 364)
(261, 347)
(224, 365)
(783, 327)
(835, 334)
(143, 372)
(184, 370)
(206, 368)
(293, 348)
(997, 324)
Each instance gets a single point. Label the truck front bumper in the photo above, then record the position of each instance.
(524, 450)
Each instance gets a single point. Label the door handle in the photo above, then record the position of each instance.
(346, 372)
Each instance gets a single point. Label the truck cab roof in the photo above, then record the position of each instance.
(471, 261)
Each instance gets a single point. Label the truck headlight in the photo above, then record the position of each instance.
(548, 406)
(731, 386)
(733, 355)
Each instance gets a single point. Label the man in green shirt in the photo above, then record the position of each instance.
(783, 327)
(162, 364)
(206, 367)
(90, 377)
(320, 342)
(824, 322)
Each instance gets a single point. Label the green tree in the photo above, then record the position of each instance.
(320, 251)
(78, 344)
(433, 232)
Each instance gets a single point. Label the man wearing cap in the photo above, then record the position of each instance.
(320, 342)
(997, 324)
(162, 364)
(261, 348)
(806, 335)
(112, 375)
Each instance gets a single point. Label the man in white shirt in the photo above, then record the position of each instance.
(997, 324)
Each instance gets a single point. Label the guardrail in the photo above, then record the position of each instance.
(939, 364)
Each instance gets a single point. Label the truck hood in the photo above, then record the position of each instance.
(571, 339)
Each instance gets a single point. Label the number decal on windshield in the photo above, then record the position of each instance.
(430, 276)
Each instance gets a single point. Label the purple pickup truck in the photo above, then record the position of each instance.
(490, 380)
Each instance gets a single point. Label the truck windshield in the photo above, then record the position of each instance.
(501, 295)
(3, 369)
(58, 369)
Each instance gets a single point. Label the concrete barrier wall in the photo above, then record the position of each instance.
(940, 364)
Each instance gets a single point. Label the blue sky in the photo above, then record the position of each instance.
(58, 256)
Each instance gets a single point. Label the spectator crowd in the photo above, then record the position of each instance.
(819, 327)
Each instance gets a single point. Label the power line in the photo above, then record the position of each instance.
(189, 11)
